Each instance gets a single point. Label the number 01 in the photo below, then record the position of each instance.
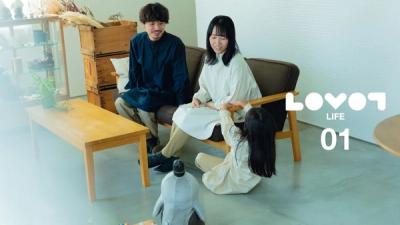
(344, 134)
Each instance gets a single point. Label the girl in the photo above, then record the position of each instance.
(225, 77)
(252, 154)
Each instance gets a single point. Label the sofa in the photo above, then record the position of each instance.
(274, 78)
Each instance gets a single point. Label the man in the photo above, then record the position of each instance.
(157, 72)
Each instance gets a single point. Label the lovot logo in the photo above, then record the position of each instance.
(356, 101)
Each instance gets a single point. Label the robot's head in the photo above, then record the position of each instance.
(179, 168)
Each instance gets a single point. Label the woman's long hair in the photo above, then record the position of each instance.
(224, 27)
(259, 130)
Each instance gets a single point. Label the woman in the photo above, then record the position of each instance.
(225, 77)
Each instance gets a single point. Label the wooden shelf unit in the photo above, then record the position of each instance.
(52, 26)
(97, 47)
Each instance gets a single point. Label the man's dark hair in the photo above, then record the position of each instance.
(224, 27)
(154, 12)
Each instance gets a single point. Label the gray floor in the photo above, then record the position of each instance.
(360, 186)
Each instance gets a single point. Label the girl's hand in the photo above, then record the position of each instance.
(195, 103)
(240, 103)
(226, 106)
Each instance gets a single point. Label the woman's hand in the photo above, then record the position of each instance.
(196, 103)
(210, 105)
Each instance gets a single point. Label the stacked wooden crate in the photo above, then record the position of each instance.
(98, 45)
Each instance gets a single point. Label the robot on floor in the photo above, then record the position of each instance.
(178, 203)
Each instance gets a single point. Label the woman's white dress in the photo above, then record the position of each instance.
(218, 84)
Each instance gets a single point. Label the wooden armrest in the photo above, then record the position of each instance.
(115, 74)
(271, 98)
(264, 100)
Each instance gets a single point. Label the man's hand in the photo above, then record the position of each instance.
(196, 103)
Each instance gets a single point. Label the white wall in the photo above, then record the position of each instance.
(182, 23)
(76, 76)
(339, 45)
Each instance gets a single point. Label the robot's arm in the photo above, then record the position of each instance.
(199, 211)
(159, 206)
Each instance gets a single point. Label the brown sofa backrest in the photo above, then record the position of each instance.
(274, 77)
(194, 61)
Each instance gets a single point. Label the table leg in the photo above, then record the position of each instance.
(89, 169)
(144, 170)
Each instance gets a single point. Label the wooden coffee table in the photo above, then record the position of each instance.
(90, 129)
(387, 134)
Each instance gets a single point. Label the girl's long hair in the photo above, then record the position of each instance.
(259, 130)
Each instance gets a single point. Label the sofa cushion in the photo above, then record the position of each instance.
(165, 113)
(121, 66)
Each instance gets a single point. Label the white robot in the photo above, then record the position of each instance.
(178, 203)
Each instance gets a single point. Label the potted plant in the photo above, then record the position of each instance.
(47, 90)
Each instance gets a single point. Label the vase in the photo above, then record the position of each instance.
(48, 101)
